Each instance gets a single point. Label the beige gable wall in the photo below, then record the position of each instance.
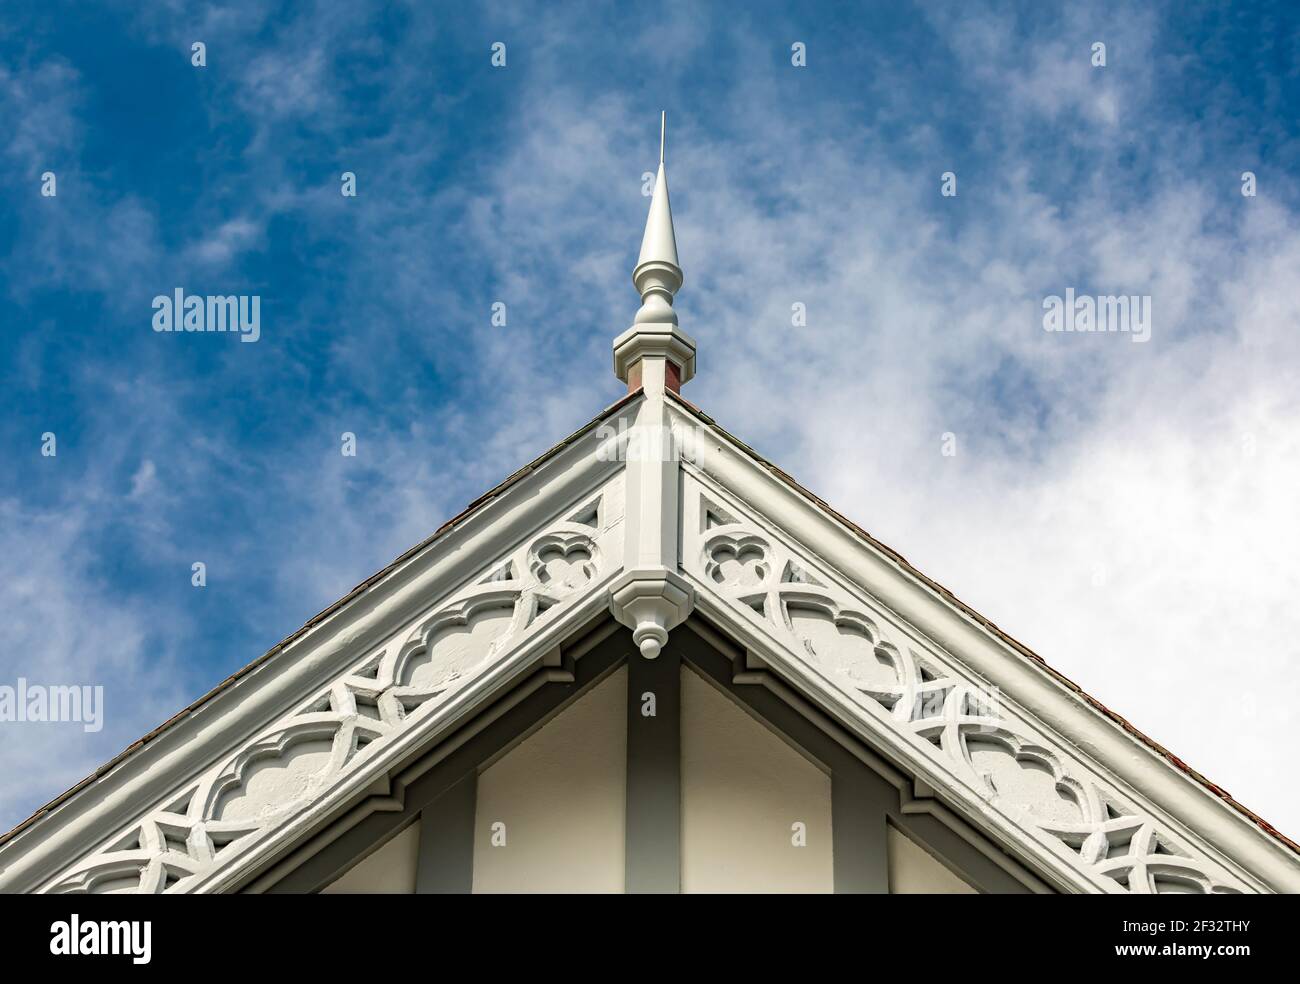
(742, 789)
(561, 795)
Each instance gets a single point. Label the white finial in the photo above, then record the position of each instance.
(657, 273)
(654, 332)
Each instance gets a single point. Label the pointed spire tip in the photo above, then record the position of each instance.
(660, 243)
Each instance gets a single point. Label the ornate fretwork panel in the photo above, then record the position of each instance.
(294, 760)
(980, 740)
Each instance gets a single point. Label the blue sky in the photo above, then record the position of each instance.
(1128, 510)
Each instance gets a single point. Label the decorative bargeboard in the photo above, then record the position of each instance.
(974, 735)
(292, 762)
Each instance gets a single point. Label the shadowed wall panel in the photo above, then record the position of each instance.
(389, 871)
(912, 871)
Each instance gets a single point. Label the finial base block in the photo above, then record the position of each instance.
(656, 340)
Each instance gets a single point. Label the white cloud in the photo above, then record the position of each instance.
(63, 625)
(145, 479)
(226, 242)
(41, 101)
